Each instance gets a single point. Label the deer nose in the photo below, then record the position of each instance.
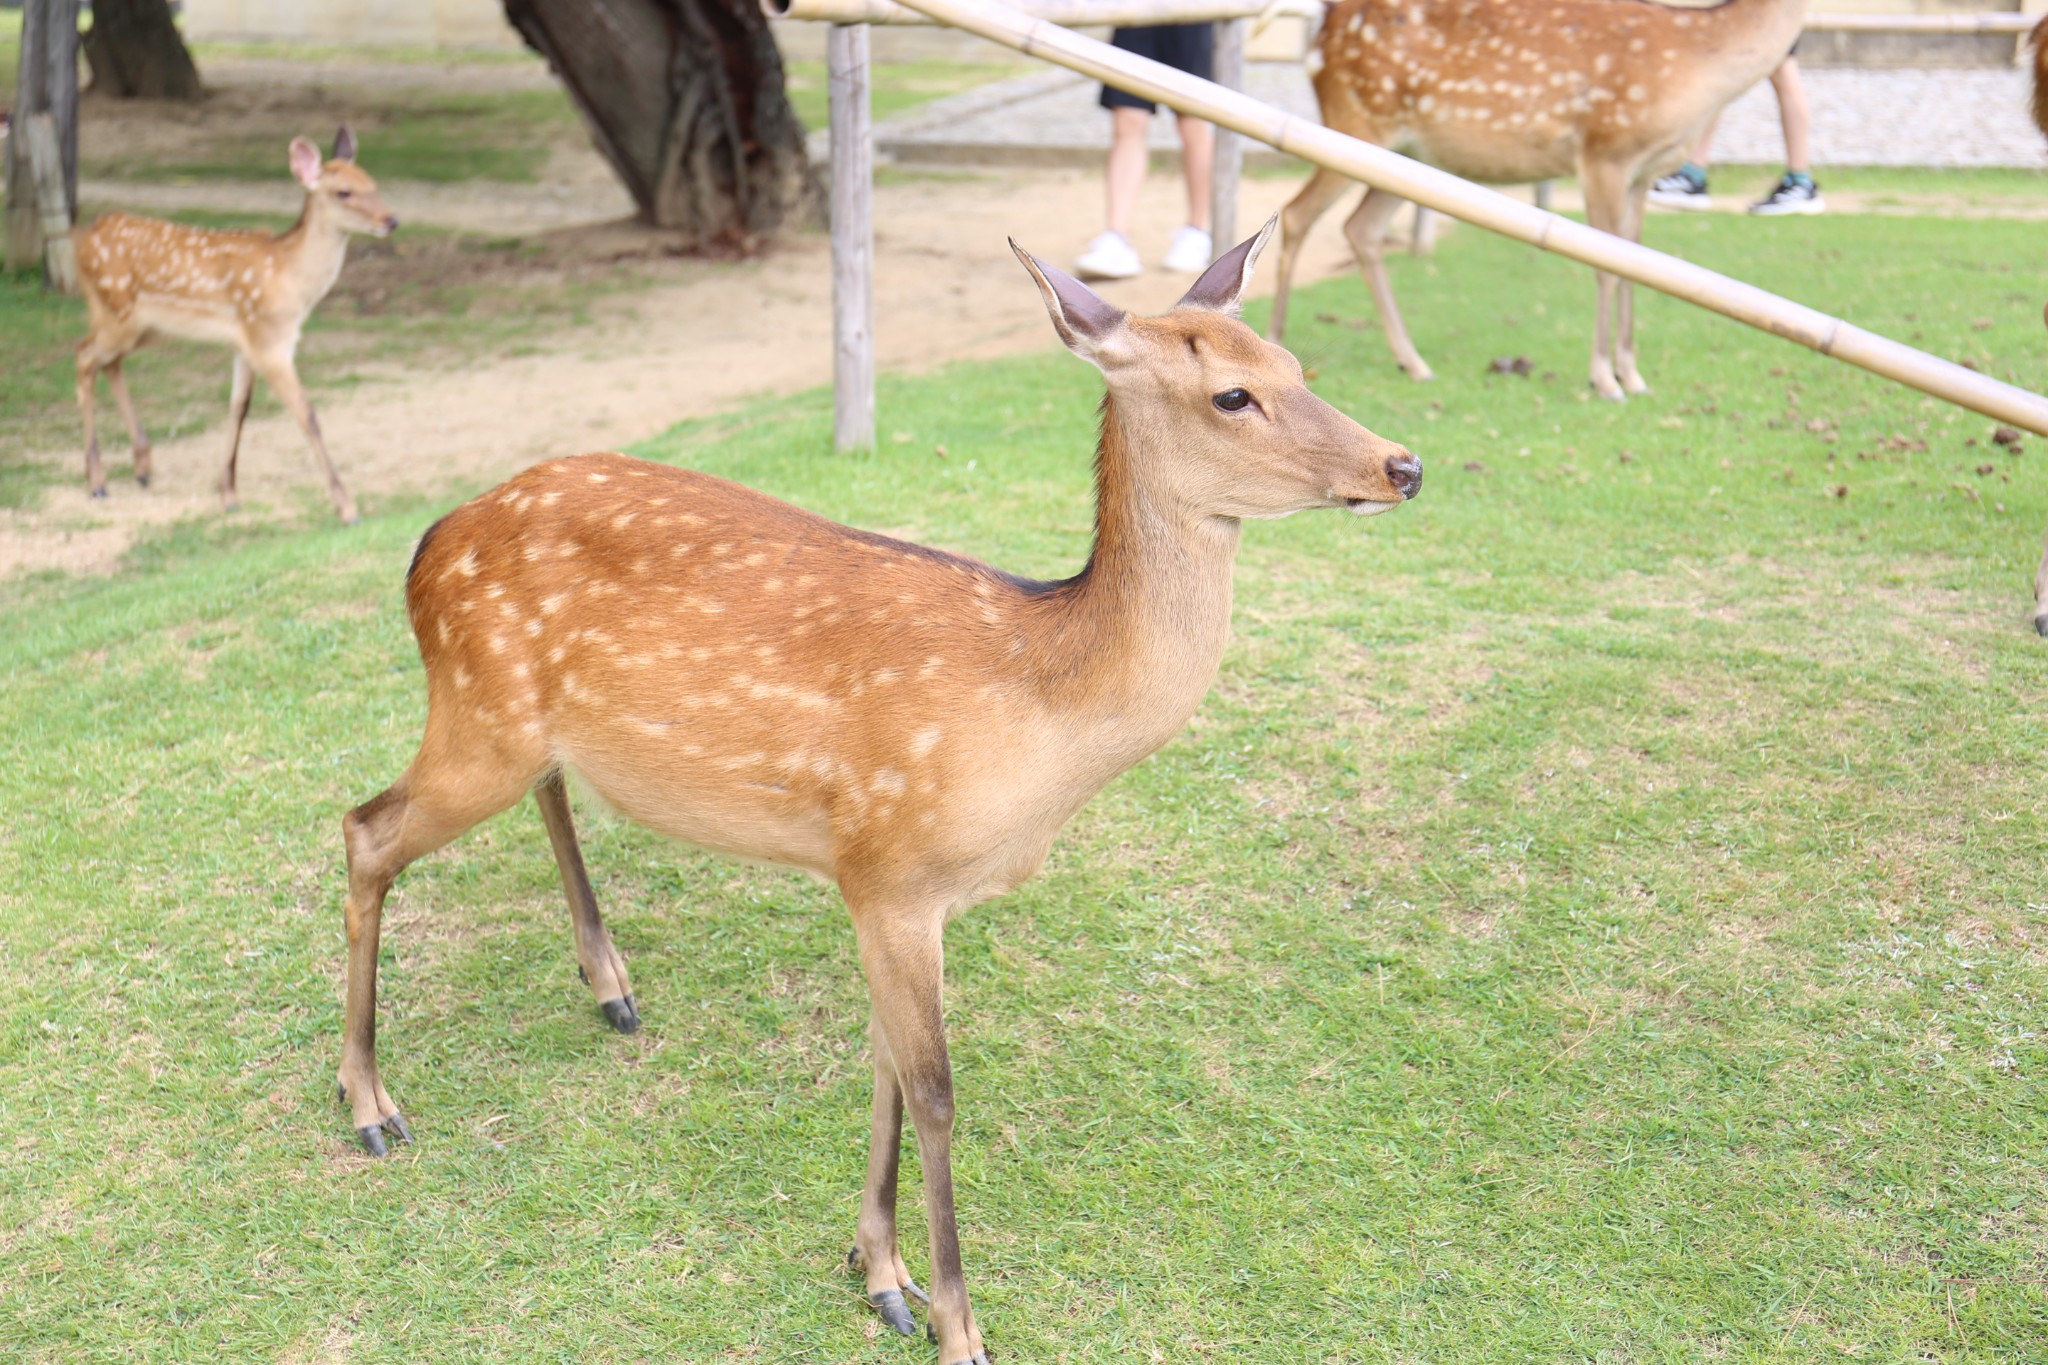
(391, 222)
(1404, 471)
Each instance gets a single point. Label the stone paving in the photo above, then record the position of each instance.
(1958, 117)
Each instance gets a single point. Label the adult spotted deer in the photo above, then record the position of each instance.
(912, 724)
(249, 290)
(1508, 91)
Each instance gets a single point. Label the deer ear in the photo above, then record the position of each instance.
(306, 163)
(1223, 284)
(344, 144)
(1087, 322)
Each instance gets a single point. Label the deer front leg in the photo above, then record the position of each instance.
(1606, 192)
(598, 962)
(875, 1249)
(1367, 231)
(1632, 381)
(88, 374)
(904, 961)
(138, 440)
(241, 387)
(280, 374)
(2041, 594)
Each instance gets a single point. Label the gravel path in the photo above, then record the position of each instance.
(1962, 117)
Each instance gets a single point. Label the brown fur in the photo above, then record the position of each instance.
(912, 724)
(251, 290)
(1510, 91)
(2038, 40)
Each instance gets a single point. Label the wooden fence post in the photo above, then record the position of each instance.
(47, 87)
(1229, 168)
(853, 238)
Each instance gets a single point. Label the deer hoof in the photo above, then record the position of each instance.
(621, 1014)
(2041, 624)
(373, 1140)
(910, 1288)
(142, 480)
(100, 492)
(978, 1358)
(889, 1303)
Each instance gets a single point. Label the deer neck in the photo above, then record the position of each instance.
(312, 250)
(1142, 628)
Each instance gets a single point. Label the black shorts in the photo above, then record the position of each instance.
(1184, 47)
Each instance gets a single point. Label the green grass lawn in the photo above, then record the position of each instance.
(893, 86)
(1596, 916)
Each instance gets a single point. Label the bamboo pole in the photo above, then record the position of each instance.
(1227, 169)
(1382, 169)
(1067, 13)
(853, 238)
(2007, 22)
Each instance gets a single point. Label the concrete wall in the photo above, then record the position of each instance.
(419, 23)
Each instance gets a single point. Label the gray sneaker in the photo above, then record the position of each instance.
(1679, 191)
(1792, 196)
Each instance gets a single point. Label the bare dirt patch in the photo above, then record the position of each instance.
(691, 338)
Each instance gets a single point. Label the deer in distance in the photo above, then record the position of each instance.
(913, 725)
(1512, 91)
(251, 290)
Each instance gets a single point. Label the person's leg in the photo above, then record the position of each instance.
(1796, 192)
(1129, 155)
(1794, 115)
(1198, 157)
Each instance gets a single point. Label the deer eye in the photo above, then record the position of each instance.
(343, 194)
(1232, 400)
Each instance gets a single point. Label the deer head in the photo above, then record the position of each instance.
(1221, 422)
(341, 186)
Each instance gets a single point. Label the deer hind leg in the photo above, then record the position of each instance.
(240, 388)
(599, 962)
(1323, 189)
(1625, 370)
(279, 373)
(875, 1249)
(1367, 231)
(138, 439)
(460, 777)
(904, 961)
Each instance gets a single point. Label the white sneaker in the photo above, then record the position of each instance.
(1190, 253)
(1109, 257)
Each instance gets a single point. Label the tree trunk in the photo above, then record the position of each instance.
(685, 99)
(48, 84)
(135, 52)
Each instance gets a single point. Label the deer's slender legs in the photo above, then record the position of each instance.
(460, 777)
(904, 959)
(138, 440)
(278, 372)
(875, 1248)
(1324, 188)
(89, 364)
(240, 388)
(2041, 594)
(1367, 231)
(599, 961)
(1606, 190)
(1632, 380)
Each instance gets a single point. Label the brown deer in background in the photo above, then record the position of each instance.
(249, 290)
(913, 725)
(1611, 91)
